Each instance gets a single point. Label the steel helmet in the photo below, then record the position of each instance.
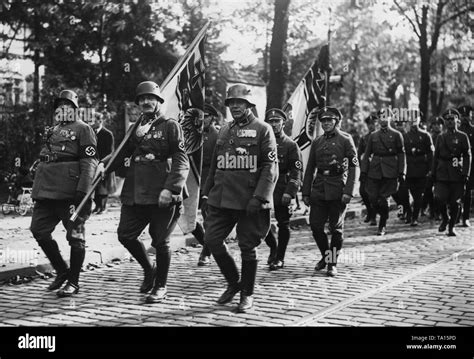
(69, 95)
(239, 91)
(148, 88)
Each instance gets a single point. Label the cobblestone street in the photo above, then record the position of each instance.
(407, 278)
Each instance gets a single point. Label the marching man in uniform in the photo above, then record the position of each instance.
(239, 190)
(62, 179)
(153, 187)
(419, 150)
(384, 166)
(451, 167)
(289, 180)
(335, 157)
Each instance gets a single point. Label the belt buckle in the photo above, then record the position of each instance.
(137, 159)
(47, 158)
(326, 172)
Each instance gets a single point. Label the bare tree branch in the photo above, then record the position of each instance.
(457, 14)
(437, 26)
(403, 11)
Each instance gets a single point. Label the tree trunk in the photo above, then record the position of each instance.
(278, 72)
(425, 83)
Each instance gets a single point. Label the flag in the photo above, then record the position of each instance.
(184, 89)
(309, 94)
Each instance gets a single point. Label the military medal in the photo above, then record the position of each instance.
(63, 148)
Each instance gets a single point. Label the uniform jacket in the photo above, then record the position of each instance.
(105, 146)
(419, 151)
(469, 131)
(210, 139)
(452, 157)
(156, 161)
(384, 156)
(334, 156)
(362, 145)
(105, 142)
(57, 179)
(244, 165)
(290, 167)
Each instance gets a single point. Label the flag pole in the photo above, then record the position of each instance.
(328, 69)
(184, 57)
(128, 134)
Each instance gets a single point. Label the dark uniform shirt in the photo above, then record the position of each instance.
(244, 165)
(362, 145)
(68, 162)
(452, 157)
(335, 157)
(419, 151)
(469, 131)
(158, 161)
(290, 168)
(385, 155)
(105, 142)
(210, 139)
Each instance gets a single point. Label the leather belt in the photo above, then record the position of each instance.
(385, 155)
(55, 158)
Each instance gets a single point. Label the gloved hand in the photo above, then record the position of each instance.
(254, 206)
(204, 204)
(346, 198)
(306, 200)
(78, 197)
(195, 116)
(285, 199)
(100, 171)
(401, 178)
(165, 199)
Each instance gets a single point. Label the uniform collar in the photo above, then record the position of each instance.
(145, 119)
(414, 129)
(331, 134)
(247, 120)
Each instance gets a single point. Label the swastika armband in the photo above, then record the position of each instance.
(88, 151)
(353, 162)
(272, 156)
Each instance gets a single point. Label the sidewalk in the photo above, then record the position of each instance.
(20, 255)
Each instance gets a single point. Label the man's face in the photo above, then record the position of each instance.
(238, 108)
(451, 122)
(63, 110)
(98, 121)
(466, 119)
(149, 104)
(415, 123)
(371, 126)
(277, 125)
(207, 120)
(328, 124)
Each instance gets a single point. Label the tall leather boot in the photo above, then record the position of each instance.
(159, 292)
(249, 274)
(321, 240)
(454, 212)
(229, 269)
(283, 239)
(204, 257)
(383, 208)
(444, 217)
(51, 250)
(138, 251)
(78, 254)
(272, 244)
(336, 246)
